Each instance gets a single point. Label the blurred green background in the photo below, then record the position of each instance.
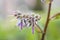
(9, 30)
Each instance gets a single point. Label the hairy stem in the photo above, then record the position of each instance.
(47, 21)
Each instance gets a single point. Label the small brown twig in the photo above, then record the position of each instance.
(47, 21)
(39, 29)
(54, 16)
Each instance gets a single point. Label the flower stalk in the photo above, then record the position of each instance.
(54, 16)
(47, 21)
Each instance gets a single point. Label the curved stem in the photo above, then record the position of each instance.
(54, 16)
(39, 29)
(47, 22)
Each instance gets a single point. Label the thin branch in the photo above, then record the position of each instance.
(39, 29)
(54, 16)
(47, 21)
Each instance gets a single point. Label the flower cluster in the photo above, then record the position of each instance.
(46, 1)
(27, 20)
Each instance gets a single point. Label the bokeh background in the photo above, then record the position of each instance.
(8, 28)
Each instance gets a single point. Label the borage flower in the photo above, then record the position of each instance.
(27, 20)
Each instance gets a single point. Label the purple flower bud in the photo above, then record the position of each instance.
(33, 29)
(33, 25)
(21, 24)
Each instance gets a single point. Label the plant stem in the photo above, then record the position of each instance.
(47, 21)
(54, 16)
(39, 29)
